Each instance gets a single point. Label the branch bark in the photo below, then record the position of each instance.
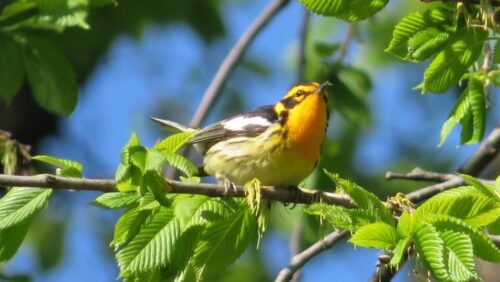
(292, 195)
(299, 260)
(232, 59)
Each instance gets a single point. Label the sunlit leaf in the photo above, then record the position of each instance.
(377, 235)
(117, 200)
(352, 11)
(20, 203)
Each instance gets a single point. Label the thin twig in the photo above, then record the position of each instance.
(299, 196)
(344, 47)
(299, 260)
(232, 59)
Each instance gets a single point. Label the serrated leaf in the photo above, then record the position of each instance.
(400, 251)
(483, 246)
(20, 203)
(465, 203)
(128, 225)
(11, 69)
(132, 142)
(51, 77)
(174, 142)
(12, 237)
(117, 200)
(414, 23)
(377, 235)
(157, 185)
(352, 11)
(350, 219)
(153, 246)
(470, 111)
(61, 163)
(430, 247)
(405, 226)
(363, 199)
(425, 43)
(486, 189)
(181, 163)
(224, 241)
(448, 66)
(458, 250)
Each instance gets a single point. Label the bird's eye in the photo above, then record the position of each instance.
(299, 93)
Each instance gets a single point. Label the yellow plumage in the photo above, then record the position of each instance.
(279, 145)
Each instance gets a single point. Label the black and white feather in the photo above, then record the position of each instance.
(249, 124)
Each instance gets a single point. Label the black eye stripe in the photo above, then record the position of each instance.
(289, 102)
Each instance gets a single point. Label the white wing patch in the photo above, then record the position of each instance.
(239, 123)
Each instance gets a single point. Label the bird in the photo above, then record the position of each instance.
(279, 145)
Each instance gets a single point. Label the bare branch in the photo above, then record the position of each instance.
(232, 59)
(285, 195)
(484, 155)
(299, 260)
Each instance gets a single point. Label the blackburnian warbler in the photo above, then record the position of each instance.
(279, 145)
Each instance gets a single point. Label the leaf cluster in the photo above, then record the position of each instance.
(24, 56)
(446, 232)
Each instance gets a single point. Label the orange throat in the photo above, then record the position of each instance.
(306, 127)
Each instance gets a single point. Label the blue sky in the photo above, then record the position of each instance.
(138, 78)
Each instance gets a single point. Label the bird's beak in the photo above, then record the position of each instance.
(323, 86)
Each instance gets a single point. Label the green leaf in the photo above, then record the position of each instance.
(132, 142)
(325, 49)
(128, 225)
(430, 247)
(350, 219)
(470, 111)
(181, 163)
(413, 24)
(465, 203)
(224, 241)
(69, 168)
(101, 3)
(153, 246)
(154, 160)
(448, 66)
(20, 203)
(363, 199)
(157, 185)
(483, 246)
(405, 224)
(16, 8)
(458, 249)
(487, 190)
(376, 235)
(11, 69)
(351, 11)
(425, 43)
(399, 251)
(12, 237)
(51, 76)
(174, 142)
(60, 14)
(117, 200)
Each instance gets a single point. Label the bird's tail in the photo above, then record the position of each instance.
(172, 126)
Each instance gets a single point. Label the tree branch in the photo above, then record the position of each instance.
(232, 59)
(285, 195)
(299, 260)
(484, 155)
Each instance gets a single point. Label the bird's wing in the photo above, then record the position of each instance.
(249, 124)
